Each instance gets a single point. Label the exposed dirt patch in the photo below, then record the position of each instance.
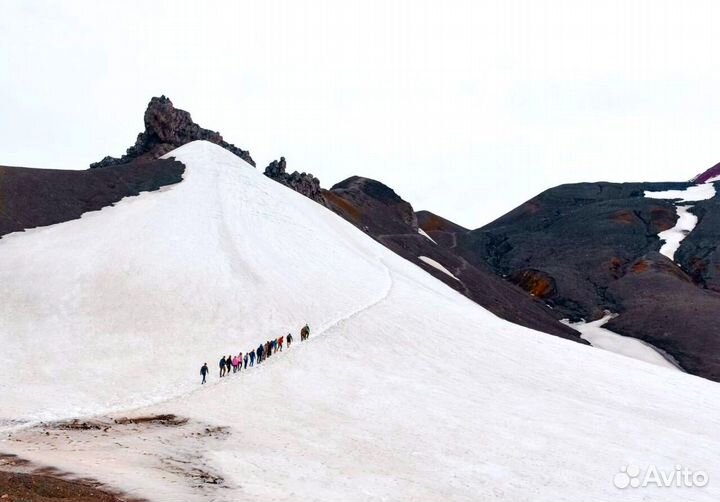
(21, 487)
(21, 481)
(169, 419)
(79, 425)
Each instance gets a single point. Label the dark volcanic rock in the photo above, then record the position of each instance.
(37, 197)
(578, 237)
(431, 222)
(372, 206)
(661, 305)
(535, 282)
(442, 231)
(699, 253)
(303, 183)
(590, 247)
(167, 128)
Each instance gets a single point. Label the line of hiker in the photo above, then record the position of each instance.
(241, 361)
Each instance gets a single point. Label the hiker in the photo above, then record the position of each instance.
(267, 352)
(252, 358)
(305, 333)
(260, 351)
(280, 342)
(228, 363)
(222, 367)
(289, 339)
(240, 361)
(234, 364)
(245, 360)
(204, 371)
(273, 342)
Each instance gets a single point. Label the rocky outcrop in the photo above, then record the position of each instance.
(372, 206)
(303, 183)
(167, 128)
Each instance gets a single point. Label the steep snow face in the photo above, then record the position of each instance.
(406, 390)
(120, 307)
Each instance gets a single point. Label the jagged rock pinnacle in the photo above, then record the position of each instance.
(304, 183)
(167, 128)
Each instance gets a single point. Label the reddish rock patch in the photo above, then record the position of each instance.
(535, 282)
(624, 217)
(342, 207)
(640, 267)
(662, 218)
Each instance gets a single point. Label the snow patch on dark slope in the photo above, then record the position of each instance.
(413, 392)
(686, 220)
(602, 338)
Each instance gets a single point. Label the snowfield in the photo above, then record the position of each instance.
(406, 390)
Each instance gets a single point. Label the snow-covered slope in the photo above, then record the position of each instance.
(406, 390)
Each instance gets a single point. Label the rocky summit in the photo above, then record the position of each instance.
(167, 128)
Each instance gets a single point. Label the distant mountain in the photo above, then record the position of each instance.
(588, 248)
(707, 175)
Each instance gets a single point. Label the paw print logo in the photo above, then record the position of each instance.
(628, 476)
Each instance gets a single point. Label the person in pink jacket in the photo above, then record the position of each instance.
(234, 364)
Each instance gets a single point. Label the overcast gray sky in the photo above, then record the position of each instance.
(466, 108)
